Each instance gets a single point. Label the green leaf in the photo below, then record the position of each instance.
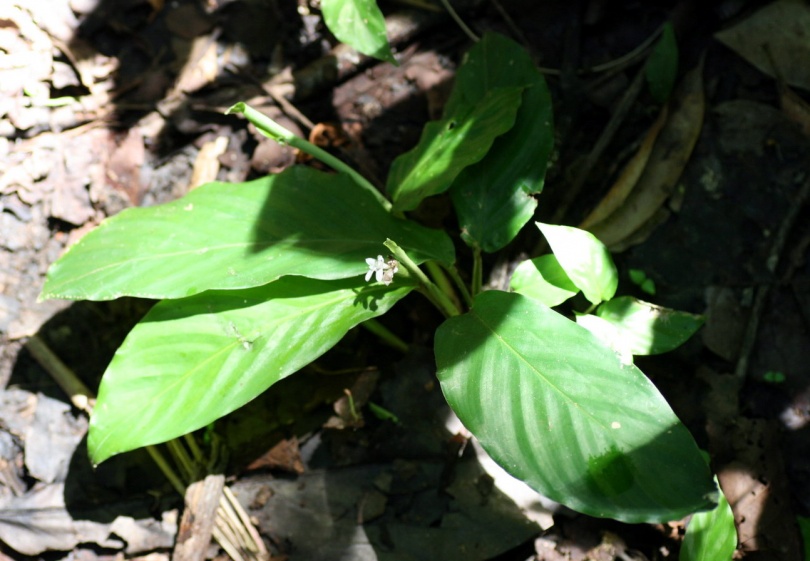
(191, 361)
(585, 259)
(360, 24)
(648, 329)
(544, 280)
(557, 409)
(493, 197)
(230, 236)
(662, 66)
(448, 146)
(710, 536)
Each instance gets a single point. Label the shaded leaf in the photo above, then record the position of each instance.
(557, 409)
(711, 535)
(229, 236)
(193, 360)
(662, 66)
(448, 146)
(544, 280)
(360, 24)
(585, 260)
(493, 197)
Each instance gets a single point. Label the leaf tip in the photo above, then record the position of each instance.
(236, 108)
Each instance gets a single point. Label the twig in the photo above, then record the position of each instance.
(459, 21)
(774, 256)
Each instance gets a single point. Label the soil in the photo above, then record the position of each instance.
(118, 104)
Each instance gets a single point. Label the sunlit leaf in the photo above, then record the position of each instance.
(360, 24)
(558, 410)
(448, 146)
(648, 329)
(543, 279)
(193, 360)
(228, 236)
(585, 259)
(711, 535)
(493, 197)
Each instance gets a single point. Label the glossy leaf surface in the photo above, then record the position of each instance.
(544, 280)
(193, 360)
(360, 24)
(648, 329)
(493, 197)
(585, 259)
(557, 409)
(229, 236)
(710, 536)
(449, 145)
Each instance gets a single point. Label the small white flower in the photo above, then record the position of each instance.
(382, 270)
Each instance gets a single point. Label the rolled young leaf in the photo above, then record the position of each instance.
(557, 409)
(229, 236)
(710, 536)
(191, 361)
(360, 24)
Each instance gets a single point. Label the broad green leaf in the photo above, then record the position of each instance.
(493, 197)
(585, 259)
(229, 236)
(648, 329)
(543, 279)
(711, 535)
(662, 66)
(448, 146)
(557, 409)
(608, 334)
(191, 361)
(360, 24)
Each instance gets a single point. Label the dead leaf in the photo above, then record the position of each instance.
(630, 175)
(784, 27)
(206, 166)
(667, 160)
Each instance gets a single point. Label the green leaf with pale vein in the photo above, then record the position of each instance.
(230, 236)
(544, 280)
(558, 410)
(360, 24)
(447, 146)
(193, 360)
(585, 259)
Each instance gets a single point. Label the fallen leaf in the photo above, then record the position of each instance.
(666, 162)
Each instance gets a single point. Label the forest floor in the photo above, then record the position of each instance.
(106, 105)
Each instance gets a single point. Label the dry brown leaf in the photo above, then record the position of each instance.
(629, 176)
(666, 163)
(206, 166)
(784, 27)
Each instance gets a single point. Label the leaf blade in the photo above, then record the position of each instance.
(449, 145)
(360, 24)
(193, 360)
(558, 410)
(233, 236)
(585, 259)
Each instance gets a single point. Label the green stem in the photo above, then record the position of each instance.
(385, 335)
(166, 469)
(477, 272)
(427, 287)
(457, 280)
(437, 274)
(272, 129)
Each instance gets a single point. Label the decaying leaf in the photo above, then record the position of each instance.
(665, 164)
(784, 27)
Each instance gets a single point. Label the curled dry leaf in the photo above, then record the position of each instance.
(665, 164)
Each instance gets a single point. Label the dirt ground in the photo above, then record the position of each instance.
(109, 104)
